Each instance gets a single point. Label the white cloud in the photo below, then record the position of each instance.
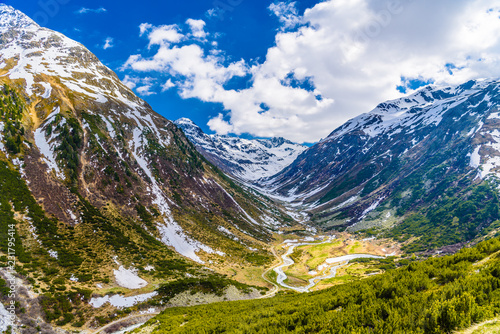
(223, 127)
(204, 74)
(130, 82)
(353, 52)
(145, 90)
(143, 86)
(84, 10)
(108, 43)
(145, 27)
(197, 28)
(167, 85)
(164, 35)
(287, 14)
(212, 12)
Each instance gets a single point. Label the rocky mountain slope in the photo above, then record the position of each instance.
(247, 160)
(101, 194)
(438, 148)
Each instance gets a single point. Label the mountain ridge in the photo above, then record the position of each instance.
(247, 160)
(400, 159)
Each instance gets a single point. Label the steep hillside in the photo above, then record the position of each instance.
(429, 160)
(247, 160)
(101, 194)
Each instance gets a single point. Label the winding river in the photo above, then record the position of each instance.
(339, 261)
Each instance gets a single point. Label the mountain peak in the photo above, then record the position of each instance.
(12, 18)
(185, 121)
(246, 159)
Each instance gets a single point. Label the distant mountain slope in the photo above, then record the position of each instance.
(248, 160)
(100, 188)
(432, 148)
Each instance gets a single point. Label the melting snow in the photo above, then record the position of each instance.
(352, 257)
(173, 235)
(5, 319)
(120, 301)
(109, 126)
(46, 148)
(128, 278)
(475, 158)
(371, 208)
(48, 90)
(53, 254)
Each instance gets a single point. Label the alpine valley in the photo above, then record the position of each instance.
(111, 214)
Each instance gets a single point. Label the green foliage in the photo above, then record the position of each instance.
(450, 220)
(70, 135)
(211, 284)
(11, 112)
(438, 295)
(60, 306)
(115, 237)
(4, 289)
(259, 259)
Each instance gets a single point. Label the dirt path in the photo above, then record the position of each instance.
(141, 317)
(275, 288)
(489, 326)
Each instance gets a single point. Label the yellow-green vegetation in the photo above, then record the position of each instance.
(308, 257)
(438, 295)
(354, 248)
(487, 327)
(463, 215)
(319, 253)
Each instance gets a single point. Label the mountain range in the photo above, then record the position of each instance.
(112, 206)
(392, 167)
(402, 163)
(246, 160)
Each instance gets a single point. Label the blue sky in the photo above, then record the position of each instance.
(271, 68)
(246, 32)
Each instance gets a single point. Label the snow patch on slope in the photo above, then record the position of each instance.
(475, 158)
(128, 278)
(46, 146)
(121, 301)
(171, 232)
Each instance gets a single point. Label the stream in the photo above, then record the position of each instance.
(340, 261)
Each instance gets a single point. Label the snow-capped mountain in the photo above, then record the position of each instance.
(97, 182)
(247, 160)
(411, 149)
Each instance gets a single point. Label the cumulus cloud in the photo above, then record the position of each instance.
(197, 28)
(143, 86)
(145, 90)
(344, 58)
(84, 10)
(164, 35)
(167, 85)
(287, 13)
(145, 27)
(108, 43)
